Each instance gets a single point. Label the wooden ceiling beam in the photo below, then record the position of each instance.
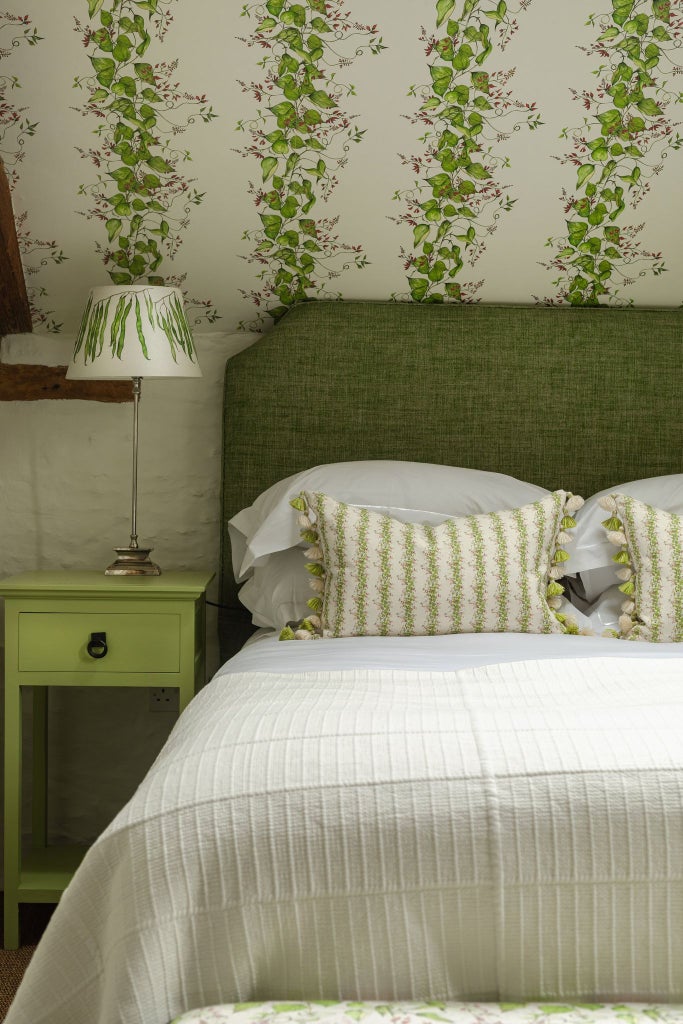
(25, 382)
(15, 313)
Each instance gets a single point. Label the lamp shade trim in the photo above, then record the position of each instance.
(135, 330)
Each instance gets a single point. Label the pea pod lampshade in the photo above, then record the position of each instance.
(134, 331)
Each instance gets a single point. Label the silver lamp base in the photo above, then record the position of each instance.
(132, 562)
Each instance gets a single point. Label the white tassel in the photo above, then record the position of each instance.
(302, 634)
(317, 585)
(624, 574)
(625, 623)
(617, 537)
(608, 503)
(563, 538)
(314, 621)
(573, 504)
(314, 553)
(587, 631)
(629, 607)
(555, 602)
(304, 522)
(556, 572)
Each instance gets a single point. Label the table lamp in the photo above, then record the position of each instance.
(134, 331)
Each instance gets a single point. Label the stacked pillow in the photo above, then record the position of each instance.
(267, 546)
(404, 548)
(635, 592)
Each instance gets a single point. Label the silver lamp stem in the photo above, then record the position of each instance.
(137, 391)
(134, 560)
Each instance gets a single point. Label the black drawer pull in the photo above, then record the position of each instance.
(97, 645)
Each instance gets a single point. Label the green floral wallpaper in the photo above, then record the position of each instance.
(618, 151)
(467, 112)
(261, 154)
(301, 137)
(139, 193)
(16, 132)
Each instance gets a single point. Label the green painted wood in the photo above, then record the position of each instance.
(12, 808)
(170, 585)
(45, 873)
(57, 642)
(39, 768)
(156, 636)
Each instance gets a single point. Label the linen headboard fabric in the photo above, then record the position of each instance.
(579, 398)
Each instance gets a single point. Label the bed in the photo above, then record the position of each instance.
(457, 819)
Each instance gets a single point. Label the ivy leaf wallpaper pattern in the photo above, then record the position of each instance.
(343, 177)
(301, 137)
(139, 195)
(16, 129)
(618, 151)
(467, 111)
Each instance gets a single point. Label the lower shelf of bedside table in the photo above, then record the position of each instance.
(45, 873)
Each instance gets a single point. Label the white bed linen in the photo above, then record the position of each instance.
(436, 653)
(507, 830)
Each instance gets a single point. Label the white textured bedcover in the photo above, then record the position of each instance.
(509, 831)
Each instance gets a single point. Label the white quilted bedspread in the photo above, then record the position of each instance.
(511, 832)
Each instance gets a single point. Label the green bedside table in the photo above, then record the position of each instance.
(84, 629)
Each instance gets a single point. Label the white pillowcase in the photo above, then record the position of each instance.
(604, 612)
(277, 592)
(269, 525)
(591, 555)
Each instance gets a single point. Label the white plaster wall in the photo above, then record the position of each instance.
(65, 468)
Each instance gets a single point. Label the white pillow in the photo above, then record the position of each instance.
(268, 525)
(277, 592)
(591, 555)
(604, 612)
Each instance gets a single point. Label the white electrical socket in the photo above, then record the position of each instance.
(163, 698)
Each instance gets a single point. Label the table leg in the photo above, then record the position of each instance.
(12, 811)
(39, 817)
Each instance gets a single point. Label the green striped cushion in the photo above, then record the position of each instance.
(650, 560)
(492, 572)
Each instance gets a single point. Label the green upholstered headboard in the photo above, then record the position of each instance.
(580, 398)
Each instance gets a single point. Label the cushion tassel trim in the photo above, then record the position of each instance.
(616, 535)
(554, 590)
(309, 628)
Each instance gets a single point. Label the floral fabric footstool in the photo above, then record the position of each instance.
(324, 1012)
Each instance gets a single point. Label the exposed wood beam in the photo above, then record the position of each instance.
(15, 314)
(24, 382)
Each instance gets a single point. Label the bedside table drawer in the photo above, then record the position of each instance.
(57, 642)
